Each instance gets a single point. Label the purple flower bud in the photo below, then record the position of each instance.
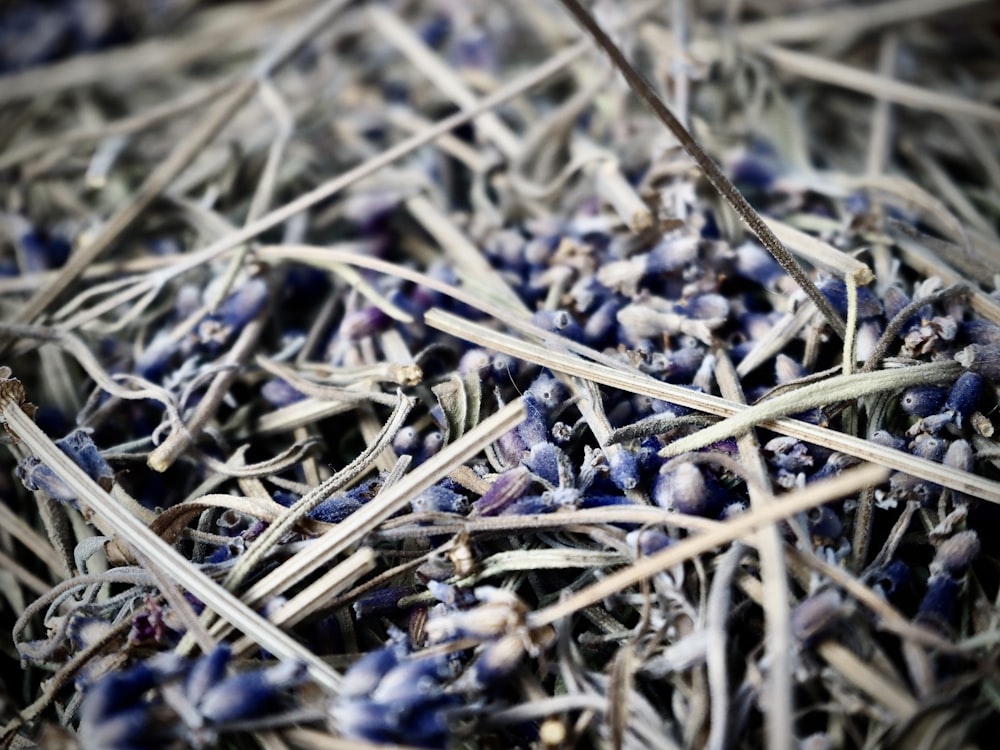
(683, 489)
(244, 304)
(825, 525)
(207, 671)
(816, 616)
(247, 695)
(112, 696)
(498, 660)
(753, 262)
(547, 392)
(37, 476)
(928, 447)
(937, 608)
(624, 469)
(506, 488)
(788, 453)
(906, 487)
(366, 673)
(549, 463)
(965, 396)
(79, 446)
(835, 463)
(787, 369)
(954, 555)
(835, 290)
(279, 393)
(982, 332)
(888, 440)
(895, 300)
(383, 601)
(413, 679)
(407, 441)
(530, 505)
(959, 456)
(558, 321)
(336, 509)
(646, 542)
(438, 499)
(982, 359)
(890, 578)
(600, 324)
(367, 721)
(923, 400)
(363, 323)
(433, 442)
(42, 251)
(474, 360)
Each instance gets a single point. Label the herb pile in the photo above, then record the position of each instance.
(391, 373)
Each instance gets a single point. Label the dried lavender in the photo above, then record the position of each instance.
(467, 415)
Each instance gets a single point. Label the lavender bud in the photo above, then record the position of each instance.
(498, 659)
(965, 395)
(888, 440)
(243, 305)
(981, 332)
(891, 578)
(600, 324)
(364, 323)
(547, 392)
(79, 446)
(439, 499)
(959, 456)
(412, 679)
(206, 672)
(624, 469)
(982, 359)
(406, 441)
(646, 542)
(816, 616)
(928, 446)
(683, 489)
(954, 555)
(279, 393)
(548, 462)
(37, 476)
(923, 400)
(381, 601)
(787, 369)
(835, 290)
(788, 453)
(249, 694)
(366, 673)
(824, 524)
(506, 488)
(937, 608)
(558, 321)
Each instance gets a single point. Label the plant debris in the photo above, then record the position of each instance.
(450, 375)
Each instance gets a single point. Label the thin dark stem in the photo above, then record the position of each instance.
(715, 176)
